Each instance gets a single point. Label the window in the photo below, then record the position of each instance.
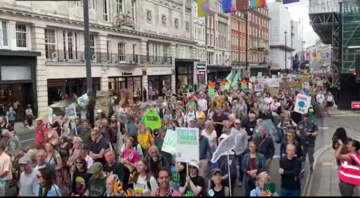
(20, 35)
(105, 10)
(133, 8)
(50, 43)
(92, 44)
(70, 43)
(108, 50)
(4, 39)
(119, 6)
(121, 51)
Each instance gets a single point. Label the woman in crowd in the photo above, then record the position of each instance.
(144, 182)
(46, 184)
(144, 138)
(51, 133)
(215, 186)
(80, 178)
(261, 179)
(253, 163)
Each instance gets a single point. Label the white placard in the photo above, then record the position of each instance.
(187, 145)
(302, 103)
(50, 116)
(170, 142)
(271, 82)
(71, 111)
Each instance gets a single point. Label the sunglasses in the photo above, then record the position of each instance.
(38, 176)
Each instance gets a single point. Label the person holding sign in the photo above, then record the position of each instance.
(194, 183)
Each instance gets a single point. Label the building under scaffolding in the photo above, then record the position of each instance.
(337, 22)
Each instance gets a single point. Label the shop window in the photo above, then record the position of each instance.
(182, 70)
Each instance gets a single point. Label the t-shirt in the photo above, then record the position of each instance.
(219, 118)
(97, 187)
(131, 155)
(117, 168)
(28, 183)
(198, 182)
(96, 148)
(210, 136)
(80, 182)
(142, 187)
(178, 178)
(144, 139)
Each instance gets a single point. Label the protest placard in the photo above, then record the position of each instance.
(152, 119)
(170, 141)
(187, 145)
(302, 103)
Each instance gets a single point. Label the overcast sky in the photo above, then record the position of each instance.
(301, 11)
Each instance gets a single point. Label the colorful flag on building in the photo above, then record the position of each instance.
(319, 57)
(307, 55)
(203, 8)
(257, 4)
(228, 6)
(327, 55)
(314, 54)
(290, 1)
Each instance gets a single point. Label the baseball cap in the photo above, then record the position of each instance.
(95, 168)
(24, 160)
(84, 147)
(216, 170)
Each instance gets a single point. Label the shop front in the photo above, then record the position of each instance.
(18, 81)
(59, 89)
(184, 74)
(216, 71)
(127, 81)
(158, 78)
(200, 72)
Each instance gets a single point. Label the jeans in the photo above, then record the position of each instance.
(290, 193)
(309, 151)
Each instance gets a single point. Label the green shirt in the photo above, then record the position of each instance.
(97, 187)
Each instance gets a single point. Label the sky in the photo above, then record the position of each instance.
(301, 11)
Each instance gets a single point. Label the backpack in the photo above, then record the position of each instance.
(147, 179)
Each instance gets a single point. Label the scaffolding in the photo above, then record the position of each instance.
(327, 26)
(350, 21)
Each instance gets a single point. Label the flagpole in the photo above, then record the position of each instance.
(206, 43)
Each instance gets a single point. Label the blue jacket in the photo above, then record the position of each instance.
(259, 162)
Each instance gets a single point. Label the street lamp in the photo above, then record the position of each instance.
(285, 49)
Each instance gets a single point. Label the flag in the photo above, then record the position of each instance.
(257, 4)
(290, 1)
(307, 55)
(314, 54)
(327, 55)
(228, 6)
(203, 8)
(319, 56)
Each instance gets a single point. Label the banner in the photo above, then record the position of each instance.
(170, 140)
(302, 103)
(290, 1)
(152, 119)
(187, 145)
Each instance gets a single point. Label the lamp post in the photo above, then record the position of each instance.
(285, 49)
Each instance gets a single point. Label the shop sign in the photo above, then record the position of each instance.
(159, 71)
(200, 65)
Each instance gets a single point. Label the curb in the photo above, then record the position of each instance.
(307, 187)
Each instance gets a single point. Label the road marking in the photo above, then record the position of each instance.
(324, 128)
(27, 140)
(276, 156)
(327, 164)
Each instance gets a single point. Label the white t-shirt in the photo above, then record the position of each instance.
(202, 104)
(210, 136)
(141, 186)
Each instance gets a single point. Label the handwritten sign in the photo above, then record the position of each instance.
(259, 88)
(302, 103)
(187, 145)
(170, 142)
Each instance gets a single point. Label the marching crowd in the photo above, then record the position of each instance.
(121, 156)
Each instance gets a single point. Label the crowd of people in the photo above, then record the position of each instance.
(121, 156)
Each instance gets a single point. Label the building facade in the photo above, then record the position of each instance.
(258, 39)
(238, 40)
(200, 76)
(281, 33)
(134, 44)
(218, 43)
(319, 55)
